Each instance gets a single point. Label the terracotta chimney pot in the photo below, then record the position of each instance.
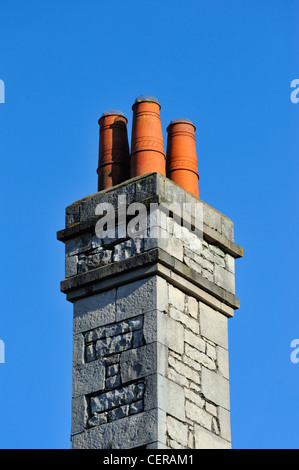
(114, 157)
(181, 159)
(147, 149)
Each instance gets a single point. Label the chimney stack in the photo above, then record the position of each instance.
(150, 312)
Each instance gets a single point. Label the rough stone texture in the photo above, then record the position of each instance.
(150, 347)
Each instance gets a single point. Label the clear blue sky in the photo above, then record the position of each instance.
(227, 66)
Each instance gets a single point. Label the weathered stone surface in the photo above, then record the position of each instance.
(136, 407)
(141, 296)
(93, 311)
(199, 415)
(188, 321)
(195, 341)
(215, 388)
(88, 378)
(78, 349)
(139, 362)
(176, 298)
(213, 325)
(205, 439)
(160, 327)
(177, 430)
(199, 357)
(115, 398)
(71, 264)
(191, 306)
(222, 361)
(79, 413)
(166, 395)
(230, 263)
(128, 248)
(97, 420)
(113, 344)
(224, 420)
(224, 279)
(112, 370)
(126, 433)
(113, 381)
(146, 311)
(184, 370)
(194, 398)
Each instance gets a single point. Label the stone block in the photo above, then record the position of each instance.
(205, 439)
(113, 381)
(160, 327)
(224, 421)
(227, 228)
(199, 357)
(224, 279)
(115, 398)
(177, 430)
(166, 395)
(215, 388)
(128, 248)
(136, 407)
(186, 320)
(141, 296)
(77, 245)
(176, 298)
(212, 218)
(184, 370)
(223, 361)
(129, 432)
(172, 245)
(78, 349)
(194, 397)
(230, 263)
(118, 413)
(88, 378)
(93, 311)
(79, 413)
(113, 344)
(191, 306)
(195, 341)
(72, 214)
(198, 415)
(139, 362)
(213, 325)
(71, 266)
(179, 379)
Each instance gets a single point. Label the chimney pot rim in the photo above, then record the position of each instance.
(180, 120)
(113, 111)
(141, 98)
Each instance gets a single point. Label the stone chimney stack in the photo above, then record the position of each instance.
(149, 269)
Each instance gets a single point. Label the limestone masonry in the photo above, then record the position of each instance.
(150, 332)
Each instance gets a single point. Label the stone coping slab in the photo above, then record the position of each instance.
(151, 188)
(155, 261)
